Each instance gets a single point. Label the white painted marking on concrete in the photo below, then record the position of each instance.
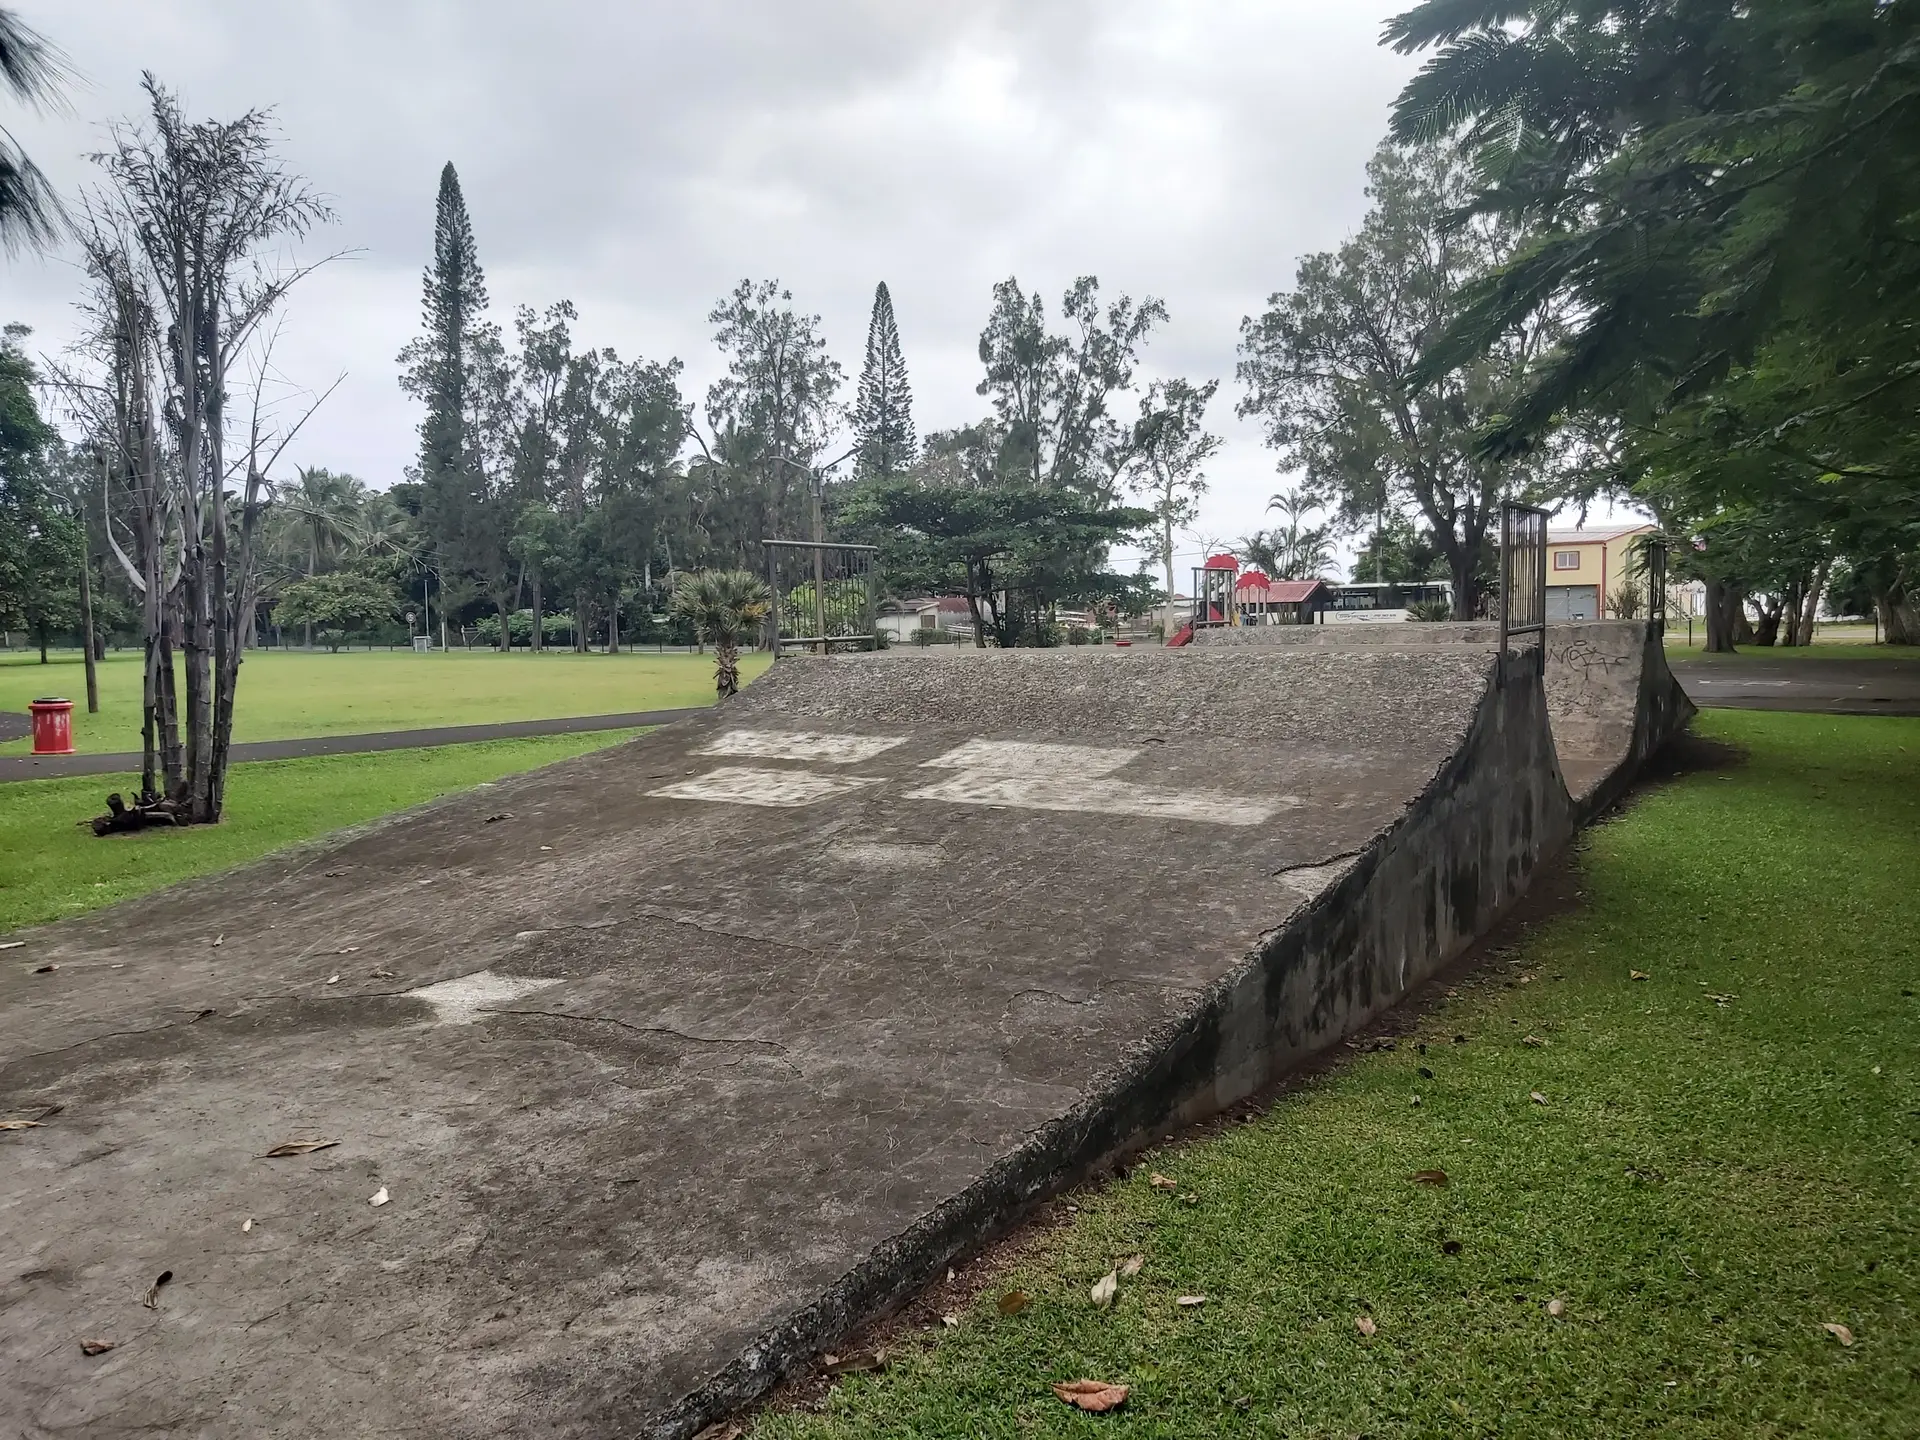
(800, 745)
(779, 789)
(1015, 757)
(884, 855)
(461, 1001)
(1096, 796)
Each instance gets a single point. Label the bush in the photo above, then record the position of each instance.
(1077, 634)
(1431, 610)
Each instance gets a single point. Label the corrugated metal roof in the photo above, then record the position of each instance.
(1595, 536)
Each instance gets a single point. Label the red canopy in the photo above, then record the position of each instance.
(1253, 580)
(1222, 562)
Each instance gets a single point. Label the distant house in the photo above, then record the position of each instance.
(1585, 568)
(943, 614)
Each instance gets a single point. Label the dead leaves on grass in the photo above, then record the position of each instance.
(1364, 1324)
(1014, 1301)
(859, 1363)
(1435, 1178)
(1839, 1332)
(1096, 1397)
(95, 1346)
(1105, 1290)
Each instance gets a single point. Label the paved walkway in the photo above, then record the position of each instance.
(52, 767)
(1829, 687)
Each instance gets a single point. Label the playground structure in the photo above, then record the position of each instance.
(668, 1069)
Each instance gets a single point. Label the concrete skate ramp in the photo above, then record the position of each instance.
(677, 1061)
(1611, 699)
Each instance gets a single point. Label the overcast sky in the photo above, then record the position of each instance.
(640, 158)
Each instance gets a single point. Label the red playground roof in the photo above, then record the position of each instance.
(1222, 562)
(1292, 592)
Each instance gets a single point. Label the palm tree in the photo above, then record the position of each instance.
(30, 214)
(329, 509)
(722, 606)
(1300, 551)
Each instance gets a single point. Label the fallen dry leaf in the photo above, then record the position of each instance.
(856, 1363)
(333, 979)
(11, 944)
(382, 974)
(348, 950)
(952, 1322)
(1106, 1289)
(1638, 975)
(721, 1430)
(1537, 1097)
(1094, 1396)
(1556, 1308)
(1364, 1324)
(246, 1225)
(152, 1297)
(1437, 1178)
(219, 940)
(1130, 1266)
(1838, 1331)
(20, 1125)
(97, 1347)
(1534, 1040)
(45, 969)
(496, 819)
(1014, 1301)
(1162, 1182)
(1190, 1302)
(379, 1197)
(298, 1147)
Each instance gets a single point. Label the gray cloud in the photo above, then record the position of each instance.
(640, 158)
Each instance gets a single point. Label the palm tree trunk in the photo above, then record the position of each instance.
(726, 667)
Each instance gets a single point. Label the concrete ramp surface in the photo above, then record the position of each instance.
(1611, 699)
(675, 1062)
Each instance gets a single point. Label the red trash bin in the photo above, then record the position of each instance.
(52, 726)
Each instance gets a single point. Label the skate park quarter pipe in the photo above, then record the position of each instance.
(678, 1061)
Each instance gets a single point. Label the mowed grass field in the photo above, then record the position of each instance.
(293, 694)
(1677, 1128)
(53, 867)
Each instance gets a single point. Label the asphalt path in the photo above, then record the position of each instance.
(1830, 687)
(52, 767)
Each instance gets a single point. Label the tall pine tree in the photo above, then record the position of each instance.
(883, 413)
(437, 369)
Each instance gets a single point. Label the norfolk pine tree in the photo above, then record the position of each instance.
(883, 412)
(437, 369)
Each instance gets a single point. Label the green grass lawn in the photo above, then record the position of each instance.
(287, 694)
(1838, 642)
(52, 867)
(1724, 1162)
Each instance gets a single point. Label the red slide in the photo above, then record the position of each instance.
(1182, 636)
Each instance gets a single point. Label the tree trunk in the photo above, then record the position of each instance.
(1723, 609)
(581, 614)
(506, 624)
(1899, 618)
(613, 625)
(538, 614)
(726, 667)
(1810, 605)
(1166, 553)
(1460, 567)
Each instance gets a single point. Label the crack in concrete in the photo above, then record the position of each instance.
(1354, 854)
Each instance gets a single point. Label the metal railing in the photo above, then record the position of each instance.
(1523, 574)
(824, 595)
(1656, 553)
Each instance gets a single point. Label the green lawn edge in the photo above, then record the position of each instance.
(53, 868)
